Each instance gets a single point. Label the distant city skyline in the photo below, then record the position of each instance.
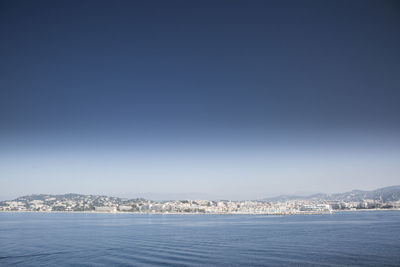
(236, 100)
(381, 198)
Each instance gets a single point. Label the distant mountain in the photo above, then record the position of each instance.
(390, 193)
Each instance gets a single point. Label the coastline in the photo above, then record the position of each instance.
(199, 213)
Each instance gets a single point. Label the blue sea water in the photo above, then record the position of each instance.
(79, 239)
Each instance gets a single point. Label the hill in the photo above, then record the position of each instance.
(385, 194)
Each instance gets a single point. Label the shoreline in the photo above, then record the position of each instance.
(198, 213)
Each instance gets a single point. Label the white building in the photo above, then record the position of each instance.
(106, 209)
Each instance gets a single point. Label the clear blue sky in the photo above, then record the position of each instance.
(226, 99)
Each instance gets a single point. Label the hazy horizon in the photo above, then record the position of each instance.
(192, 195)
(237, 100)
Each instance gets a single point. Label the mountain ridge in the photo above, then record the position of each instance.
(389, 193)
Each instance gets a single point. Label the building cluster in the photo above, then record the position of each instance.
(88, 203)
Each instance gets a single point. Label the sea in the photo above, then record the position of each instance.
(369, 238)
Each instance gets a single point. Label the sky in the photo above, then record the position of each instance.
(198, 99)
